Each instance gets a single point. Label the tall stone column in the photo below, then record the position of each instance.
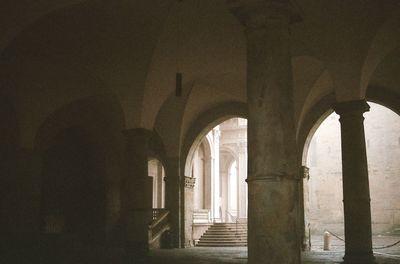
(174, 199)
(207, 182)
(188, 219)
(242, 186)
(304, 207)
(356, 197)
(272, 165)
(160, 180)
(137, 195)
(216, 179)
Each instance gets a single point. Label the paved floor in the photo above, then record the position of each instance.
(239, 255)
(196, 255)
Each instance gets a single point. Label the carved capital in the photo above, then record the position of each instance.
(304, 172)
(259, 13)
(357, 107)
(190, 182)
(351, 111)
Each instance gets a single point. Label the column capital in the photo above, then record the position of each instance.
(190, 182)
(304, 172)
(351, 107)
(257, 13)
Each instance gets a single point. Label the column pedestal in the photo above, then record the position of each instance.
(356, 196)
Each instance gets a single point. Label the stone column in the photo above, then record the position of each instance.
(241, 185)
(137, 194)
(160, 180)
(224, 175)
(188, 219)
(207, 182)
(173, 198)
(304, 229)
(356, 198)
(216, 181)
(272, 164)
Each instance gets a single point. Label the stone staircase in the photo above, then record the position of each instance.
(224, 235)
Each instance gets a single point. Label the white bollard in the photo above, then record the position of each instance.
(327, 240)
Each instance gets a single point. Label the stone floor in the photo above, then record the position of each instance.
(196, 255)
(239, 255)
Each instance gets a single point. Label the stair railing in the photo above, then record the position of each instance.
(235, 220)
(159, 224)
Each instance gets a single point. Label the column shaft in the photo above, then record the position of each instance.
(272, 165)
(242, 185)
(356, 197)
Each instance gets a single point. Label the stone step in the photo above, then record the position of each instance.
(226, 231)
(244, 240)
(200, 244)
(228, 227)
(224, 235)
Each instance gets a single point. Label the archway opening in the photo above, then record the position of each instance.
(157, 173)
(323, 192)
(73, 188)
(218, 170)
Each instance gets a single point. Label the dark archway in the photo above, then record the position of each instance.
(73, 191)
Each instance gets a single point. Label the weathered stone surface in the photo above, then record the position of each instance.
(272, 214)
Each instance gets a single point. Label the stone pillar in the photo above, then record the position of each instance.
(188, 220)
(304, 205)
(207, 182)
(137, 195)
(173, 198)
(160, 180)
(242, 186)
(272, 163)
(356, 198)
(216, 181)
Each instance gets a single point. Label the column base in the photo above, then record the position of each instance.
(359, 259)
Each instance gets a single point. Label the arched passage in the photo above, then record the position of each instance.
(323, 190)
(157, 173)
(73, 190)
(218, 169)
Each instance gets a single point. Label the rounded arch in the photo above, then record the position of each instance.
(156, 148)
(206, 146)
(100, 114)
(323, 108)
(381, 46)
(97, 121)
(204, 123)
(230, 154)
(73, 196)
(311, 122)
(385, 97)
